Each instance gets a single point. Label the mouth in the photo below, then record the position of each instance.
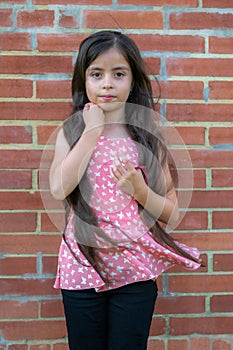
(107, 98)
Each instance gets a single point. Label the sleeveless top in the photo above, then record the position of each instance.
(131, 254)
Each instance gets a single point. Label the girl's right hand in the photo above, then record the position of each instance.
(93, 117)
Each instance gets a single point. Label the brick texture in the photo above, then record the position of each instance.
(187, 44)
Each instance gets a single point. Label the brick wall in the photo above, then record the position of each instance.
(189, 45)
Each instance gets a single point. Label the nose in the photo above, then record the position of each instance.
(107, 81)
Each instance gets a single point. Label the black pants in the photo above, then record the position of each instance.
(117, 319)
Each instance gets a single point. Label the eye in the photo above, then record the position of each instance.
(96, 75)
(119, 74)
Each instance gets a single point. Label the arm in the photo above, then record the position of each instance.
(68, 166)
(163, 208)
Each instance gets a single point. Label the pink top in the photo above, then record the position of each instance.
(134, 256)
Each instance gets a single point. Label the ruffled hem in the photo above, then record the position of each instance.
(135, 261)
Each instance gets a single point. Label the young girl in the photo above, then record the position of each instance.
(111, 169)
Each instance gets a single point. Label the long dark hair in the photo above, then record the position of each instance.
(153, 153)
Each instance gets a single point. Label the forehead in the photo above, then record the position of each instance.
(110, 57)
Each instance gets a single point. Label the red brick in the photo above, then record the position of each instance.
(33, 330)
(200, 20)
(16, 266)
(218, 135)
(15, 87)
(185, 135)
(216, 4)
(35, 110)
(160, 283)
(43, 179)
(15, 41)
(221, 89)
(53, 89)
(17, 309)
(207, 241)
(40, 347)
(222, 178)
(35, 64)
(214, 199)
(157, 326)
(124, 19)
(17, 222)
(68, 20)
(185, 3)
(178, 344)
(20, 200)
(194, 220)
(180, 156)
(200, 343)
(30, 243)
(155, 344)
(173, 43)
(35, 19)
(204, 158)
(53, 222)
(6, 17)
(221, 303)
(221, 344)
(199, 178)
(180, 305)
(223, 262)
(49, 264)
(192, 112)
(59, 42)
(222, 219)
(15, 134)
(26, 287)
(201, 283)
(211, 158)
(181, 89)
(18, 347)
(201, 325)
(62, 346)
(47, 134)
(15, 179)
(70, 2)
(54, 206)
(20, 159)
(220, 45)
(152, 65)
(52, 308)
(15, 1)
(199, 66)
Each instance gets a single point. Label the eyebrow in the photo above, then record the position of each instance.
(115, 68)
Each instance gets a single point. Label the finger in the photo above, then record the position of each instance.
(114, 174)
(129, 166)
(118, 168)
(87, 106)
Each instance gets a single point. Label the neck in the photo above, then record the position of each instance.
(115, 130)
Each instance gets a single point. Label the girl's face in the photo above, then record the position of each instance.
(108, 78)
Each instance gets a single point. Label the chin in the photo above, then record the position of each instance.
(111, 106)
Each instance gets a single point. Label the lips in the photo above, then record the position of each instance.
(107, 97)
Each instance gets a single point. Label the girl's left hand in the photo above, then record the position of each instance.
(127, 177)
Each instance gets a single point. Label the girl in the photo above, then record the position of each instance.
(111, 169)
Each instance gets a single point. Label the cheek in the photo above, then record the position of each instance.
(90, 91)
(125, 90)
